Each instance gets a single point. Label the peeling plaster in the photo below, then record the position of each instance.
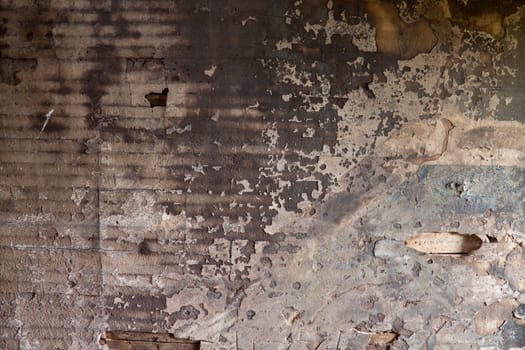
(268, 203)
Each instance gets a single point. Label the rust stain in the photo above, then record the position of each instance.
(394, 36)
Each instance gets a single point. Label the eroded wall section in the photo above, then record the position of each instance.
(246, 173)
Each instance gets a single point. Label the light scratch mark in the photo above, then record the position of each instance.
(48, 116)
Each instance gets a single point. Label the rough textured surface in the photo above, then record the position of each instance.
(246, 173)
(489, 319)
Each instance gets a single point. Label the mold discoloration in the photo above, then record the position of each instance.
(11, 67)
(396, 37)
(7, 204)
(144, 248)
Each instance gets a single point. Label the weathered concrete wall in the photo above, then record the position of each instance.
(264, 200)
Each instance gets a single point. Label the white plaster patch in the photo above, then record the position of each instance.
(281, 164)
(246, 184)
(199, 168)
(254, 106)
(288, 74)
(287, 97)
(283, 44)
(210, 72)
(216, 115)
(494, 102)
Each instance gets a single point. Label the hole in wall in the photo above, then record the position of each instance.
(123, 340)
(492, 239)
(444, 243)
(158, 99)
(457, 186)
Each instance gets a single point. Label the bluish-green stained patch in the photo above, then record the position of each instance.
(468, 189)
(453, 197)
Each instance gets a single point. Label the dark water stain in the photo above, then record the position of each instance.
(143, 248)
(96, 80)
(339, 206)
(3, 26)
(221, 140)
(7, 205)
(238, 79)
(10, 67)
(107, 65)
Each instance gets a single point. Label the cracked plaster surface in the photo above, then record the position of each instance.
(267, 205)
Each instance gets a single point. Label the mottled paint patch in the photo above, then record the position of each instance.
(467, 199)
(467, 190)
(11, 67)
(396, 37)
(186, 312)
(289, 164)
